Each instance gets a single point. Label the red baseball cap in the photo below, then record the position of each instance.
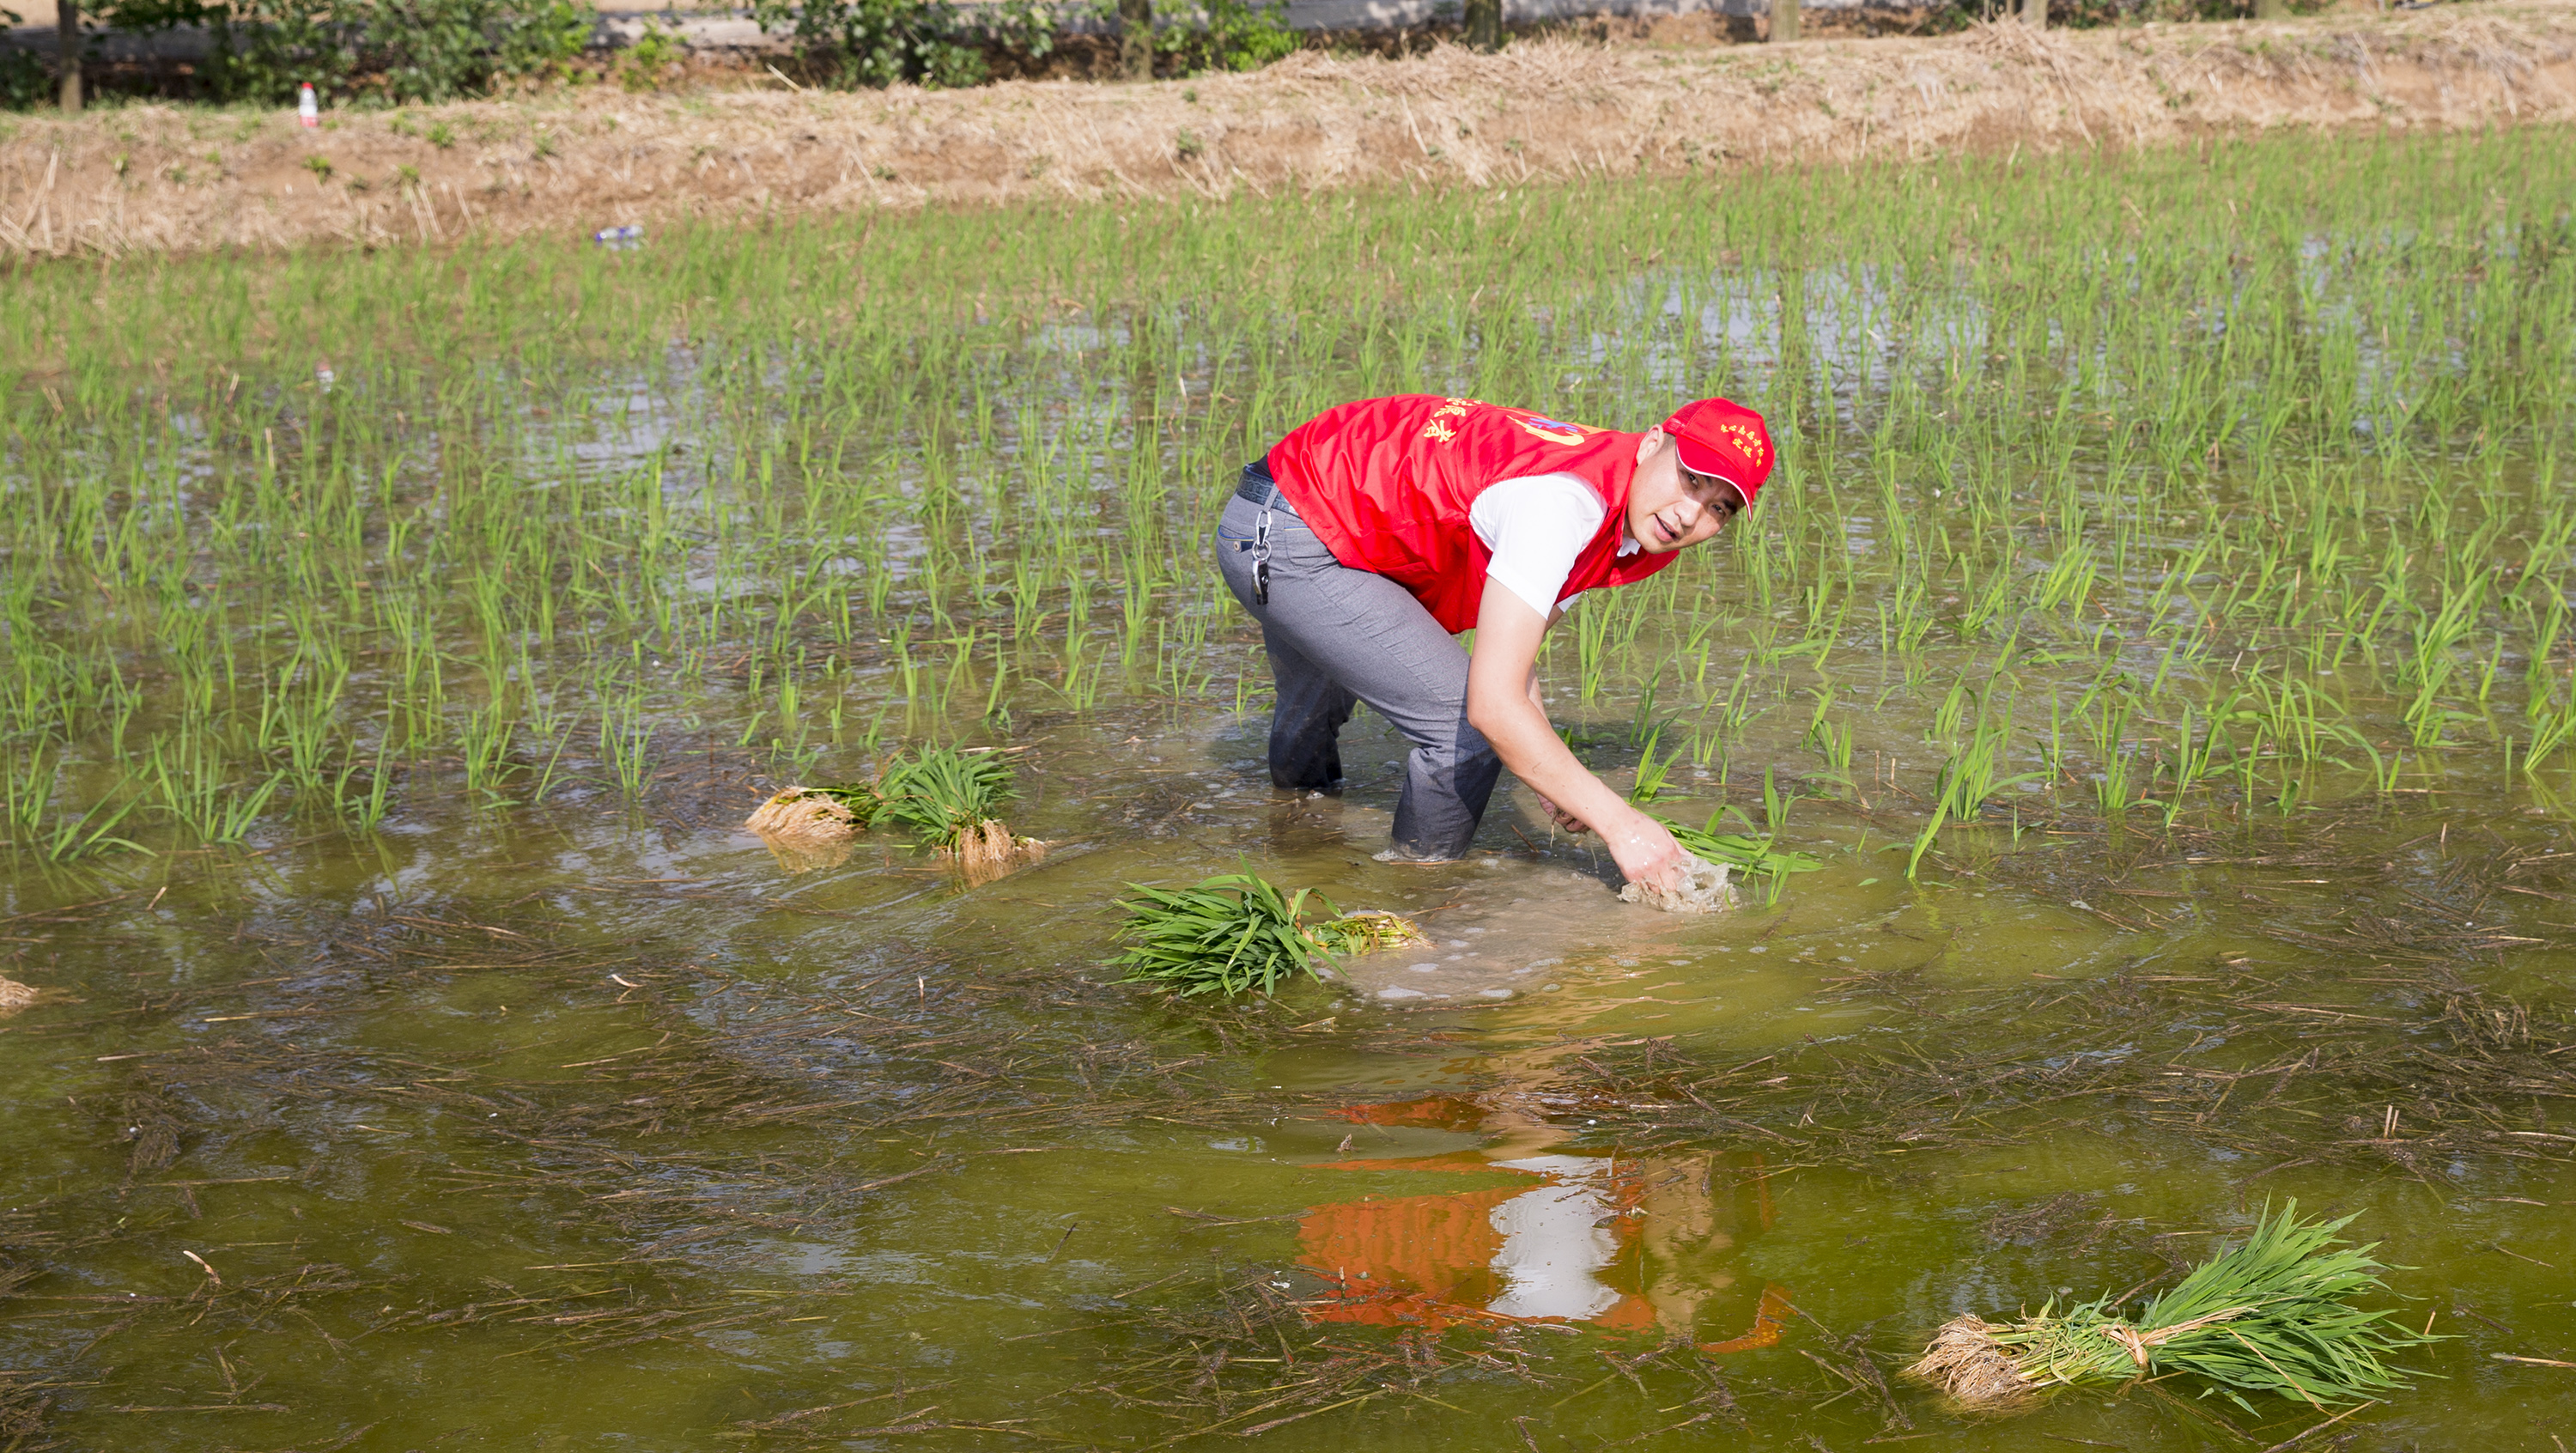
(1723, 439)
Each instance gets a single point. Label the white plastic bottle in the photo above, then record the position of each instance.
(308, 108)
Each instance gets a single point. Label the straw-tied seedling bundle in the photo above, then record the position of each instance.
(2272, 1315)
(1236, 931)
(948, 798)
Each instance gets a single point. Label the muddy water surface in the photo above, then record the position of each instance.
(606, 1132)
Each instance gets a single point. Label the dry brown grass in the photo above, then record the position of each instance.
(154, 178)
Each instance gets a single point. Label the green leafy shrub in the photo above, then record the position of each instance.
(877, 43)
(25, 83)
(398, 50)
(650, 58)
(1223, 35)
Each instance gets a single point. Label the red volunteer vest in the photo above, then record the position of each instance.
(1386, 485)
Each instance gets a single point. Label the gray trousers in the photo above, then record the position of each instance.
(1338, 636)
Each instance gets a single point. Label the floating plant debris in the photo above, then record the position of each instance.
(2273, 1315)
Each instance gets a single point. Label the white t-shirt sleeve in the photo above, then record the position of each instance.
(1535, 526)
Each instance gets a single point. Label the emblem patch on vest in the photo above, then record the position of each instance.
(1550, 430)
(1440, 428)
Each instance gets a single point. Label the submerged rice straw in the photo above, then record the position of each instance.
(2271, 1315)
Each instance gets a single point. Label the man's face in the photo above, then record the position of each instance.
(1668, 509)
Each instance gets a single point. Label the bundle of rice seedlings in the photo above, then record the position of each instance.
(815, 814)
(1236, 931)
(944, 794)
(1366, 931)
(949, 797)
(15, 996)
(2271, 1315)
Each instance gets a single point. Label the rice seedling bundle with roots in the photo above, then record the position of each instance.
(945, 795)
(815, 814)
(1237, 932)
(2272, 1315)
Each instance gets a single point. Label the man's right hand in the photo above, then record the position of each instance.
(1645, 850)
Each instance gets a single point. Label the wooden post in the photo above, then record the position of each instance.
(2035, 12)
(1784, 19)
(67, 27)
(1136, 39)
(1485, 24)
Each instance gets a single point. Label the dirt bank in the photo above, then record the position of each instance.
(164, 178)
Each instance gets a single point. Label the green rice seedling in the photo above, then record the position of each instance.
(1950, 714)
(484, 739)
(2191, 759)
(27, 791)
(1754, 857)
(1830, 740)
(90, 833)
(2068, 581)
(1969, 777)
(1651, 773)
(2385, 771)
(2553, 725)
(625, 743)
(368, 811)
(1229, 934)
(2249, 757)
(1592, 623)
(2273, 1314)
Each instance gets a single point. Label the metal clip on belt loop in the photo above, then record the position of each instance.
(1261, 558)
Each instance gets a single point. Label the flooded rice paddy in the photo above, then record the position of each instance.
(2158, 631)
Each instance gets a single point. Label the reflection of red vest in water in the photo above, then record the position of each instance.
(1431, 1261)
(1386, 484)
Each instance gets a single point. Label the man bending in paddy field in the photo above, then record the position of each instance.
(1376, 531)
